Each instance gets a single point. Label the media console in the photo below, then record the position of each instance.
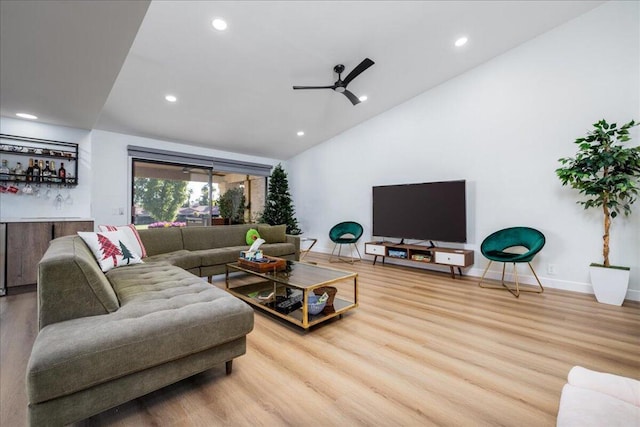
(450, 257)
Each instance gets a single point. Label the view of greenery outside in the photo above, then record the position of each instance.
(178, 195)
(204, 195)
(233, 205)
(161, 198)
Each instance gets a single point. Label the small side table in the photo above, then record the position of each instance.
(304, 252)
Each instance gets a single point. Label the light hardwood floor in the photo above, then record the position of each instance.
(421, 349)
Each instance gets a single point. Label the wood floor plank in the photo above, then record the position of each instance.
(421, 349)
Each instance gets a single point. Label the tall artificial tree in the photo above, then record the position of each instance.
(278, 208)
(605, 172)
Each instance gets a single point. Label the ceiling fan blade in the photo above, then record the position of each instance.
(366, 63)
(354, 99)
(314, 87)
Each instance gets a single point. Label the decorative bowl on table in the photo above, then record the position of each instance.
(313, 306)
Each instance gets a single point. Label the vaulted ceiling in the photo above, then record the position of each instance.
(109, 64)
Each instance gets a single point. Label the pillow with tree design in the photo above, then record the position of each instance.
(111, 249)
(132, 234)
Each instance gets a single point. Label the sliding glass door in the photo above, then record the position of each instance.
(172, 194)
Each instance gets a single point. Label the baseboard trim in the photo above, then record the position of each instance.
(527, 279)
(547, 282)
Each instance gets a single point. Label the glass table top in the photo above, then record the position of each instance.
(300, 274)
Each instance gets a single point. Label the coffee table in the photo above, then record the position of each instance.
(297, 277)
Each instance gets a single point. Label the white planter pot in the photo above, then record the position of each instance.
(609, 284)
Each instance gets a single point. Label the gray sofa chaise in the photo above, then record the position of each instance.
(107, 338)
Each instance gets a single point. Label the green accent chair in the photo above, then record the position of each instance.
(494, 249)
(345, 233)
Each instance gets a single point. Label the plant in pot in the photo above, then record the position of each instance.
(232, 205)
(607, 174)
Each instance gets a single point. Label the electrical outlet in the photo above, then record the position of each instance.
(552, 269)
(120, 211)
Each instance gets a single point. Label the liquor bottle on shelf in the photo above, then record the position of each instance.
(53, 172)
(29, 172)
(37, 171)
(46, 172)
(19, 172)
(4, 170)
(62, 173)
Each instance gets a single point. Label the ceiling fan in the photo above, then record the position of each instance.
(340, 85)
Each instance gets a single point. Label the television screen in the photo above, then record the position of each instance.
(427, 211)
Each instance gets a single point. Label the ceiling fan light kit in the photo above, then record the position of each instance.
(340, 85)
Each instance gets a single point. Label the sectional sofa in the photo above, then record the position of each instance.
(107, 338)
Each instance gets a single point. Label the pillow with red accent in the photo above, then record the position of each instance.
(110, 248)
(132, 234)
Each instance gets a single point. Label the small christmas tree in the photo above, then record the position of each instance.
(278, 208)
(109, 250)
(126, 253)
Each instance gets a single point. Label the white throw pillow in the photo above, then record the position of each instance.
(111, 249)
(131, 233)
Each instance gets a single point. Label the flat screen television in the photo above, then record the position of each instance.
(426, 211)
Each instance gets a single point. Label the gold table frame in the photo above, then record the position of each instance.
(304, 252)
(298, 275)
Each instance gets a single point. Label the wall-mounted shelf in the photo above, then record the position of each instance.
(18, 149)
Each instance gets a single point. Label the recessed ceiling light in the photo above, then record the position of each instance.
(461, 41)
(171, 98)
(363, 98)
(26, 116)
(300, 133)
(219, 24)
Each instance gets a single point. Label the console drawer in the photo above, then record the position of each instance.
(375, 249)
(450, 258)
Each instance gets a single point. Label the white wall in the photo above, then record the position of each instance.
(501, 127)
(111, 168)
(28, 206)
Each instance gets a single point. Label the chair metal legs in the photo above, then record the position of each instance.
(339, 259)
(515, 292)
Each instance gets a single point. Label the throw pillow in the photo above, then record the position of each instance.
(273, 233)
(111, 249)
(252, 236)
(132, 234)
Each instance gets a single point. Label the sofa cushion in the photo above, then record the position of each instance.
(217, 236)
(71, 284)
(220, 256)
(273, 233)
(166, 314)
(161, 240)
(278, 249)
(582, 407)
(111, 248)
(183, 259)
(623, 388)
